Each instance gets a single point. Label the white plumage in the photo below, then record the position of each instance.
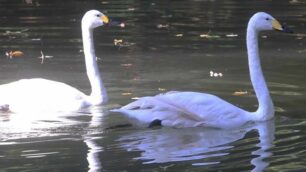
(191, 109)
(39, 95)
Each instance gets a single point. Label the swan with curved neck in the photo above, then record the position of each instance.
(37, 94)
(191, 109)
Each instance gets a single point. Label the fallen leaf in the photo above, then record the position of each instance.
(179, 35)
(43, 57)
(122, 25)
(131, 9)
(215, 74)
(209, 36)
(162, 89)
(127, 64)
(13, 54)
(231, 35)
(264, 36)
(121, 43)
(160, 26)
(117, 41)
(240, 93)
(126, 94)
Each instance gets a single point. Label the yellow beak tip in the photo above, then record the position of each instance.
(104, 19)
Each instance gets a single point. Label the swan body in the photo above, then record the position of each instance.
(38, 95)
(191, 109)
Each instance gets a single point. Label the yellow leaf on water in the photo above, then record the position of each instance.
(240, 93)
(13, 54)
(118, 41)
(161, 89)
(179, 35)
(17, 53)
(209, 36)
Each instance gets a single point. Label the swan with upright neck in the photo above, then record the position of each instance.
(191, 109)
(37, 94)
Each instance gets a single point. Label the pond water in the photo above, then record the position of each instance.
(166, 45)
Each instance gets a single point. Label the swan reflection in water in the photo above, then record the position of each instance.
(202, 145)
(85, 126)
(171, 145)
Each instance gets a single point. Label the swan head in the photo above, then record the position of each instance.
(93, 19)
(262, 21)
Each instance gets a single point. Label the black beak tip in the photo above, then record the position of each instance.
(287, 30)
(116, 23)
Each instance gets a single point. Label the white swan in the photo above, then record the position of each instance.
(191, 109)
(31, 95)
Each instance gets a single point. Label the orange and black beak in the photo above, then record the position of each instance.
(109, 22)
(279, 27)
(105, 19)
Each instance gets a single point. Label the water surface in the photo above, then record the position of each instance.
(167, 45)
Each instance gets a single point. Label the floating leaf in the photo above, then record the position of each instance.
(215, 74)
(104, 2)
(117, 41)
(264, 36)
(121, 43)
(13, 54)
(179, 35)
(209, 36)
(160, 26)
(231, 35)
(240, 93)
(135, 98)
(126, 94)
(162, 89)
(131, 9)
(43, 57)
(127, 64)
(122, 25)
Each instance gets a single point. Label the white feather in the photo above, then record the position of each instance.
(191, 109)
(38, 95)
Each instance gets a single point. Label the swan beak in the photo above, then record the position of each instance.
(105, 19)
(277, 26)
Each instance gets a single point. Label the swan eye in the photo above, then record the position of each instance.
(98, 15)
(267, 19)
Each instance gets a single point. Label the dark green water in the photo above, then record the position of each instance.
(162, 50)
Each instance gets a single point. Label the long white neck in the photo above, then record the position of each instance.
(98, 92)
(265, 109)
